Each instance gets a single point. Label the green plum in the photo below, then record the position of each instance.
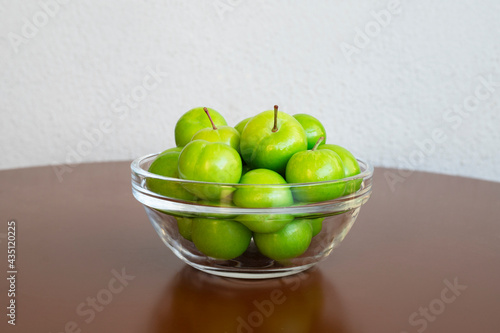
(262, 196)
(317, 225)
(265, 223)
(220, 239)
(193, 121)
(241, 125)
(224, 203)
(185, 227)
(351, 166)
(223, 134)
(313, 127)
(316, 166)
(165, 164)
(270, 139)
(213, 162)
(289, 242)
(178, 149)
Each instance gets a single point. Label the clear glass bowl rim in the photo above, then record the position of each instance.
(158, 201)
(135, 166)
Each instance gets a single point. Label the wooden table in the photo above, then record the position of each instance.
(424, 256)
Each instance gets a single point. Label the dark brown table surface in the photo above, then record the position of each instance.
(422, 258)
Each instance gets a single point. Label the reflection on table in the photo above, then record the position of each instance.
(197, 302)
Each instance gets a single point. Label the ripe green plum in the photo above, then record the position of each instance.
(213, 162)
(265, 223)
(313, 127)
(223, 134)
(317, 225)
(263, 195)
(270, 139)
(165, 165)
(316, 166)
(260, 196)
(351, 166)
(193, 121)
(223, 203)
(184, 224)
(220, 239)
(241, 125)
(289, 242)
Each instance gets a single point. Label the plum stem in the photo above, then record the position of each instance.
(275, 128)
(318, 143)
(208, 114)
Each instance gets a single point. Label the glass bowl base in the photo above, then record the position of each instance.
(252, 264)
(251, 274)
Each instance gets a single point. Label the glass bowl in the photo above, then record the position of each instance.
(319, 227)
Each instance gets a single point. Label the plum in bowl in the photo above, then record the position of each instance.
(223, 238)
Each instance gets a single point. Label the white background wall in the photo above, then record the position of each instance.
(62, 79)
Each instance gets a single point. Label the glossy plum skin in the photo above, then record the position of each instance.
(262, 197)
(241, 125)
(262, 148)
(289, 242)
(316, 166)
(209, 162)
(166, 165)
(184, 224)
(313, 128)
(317, 225)
(265, 223)
(223, 134)
(351, 166)
(220, 239)
(193, 121)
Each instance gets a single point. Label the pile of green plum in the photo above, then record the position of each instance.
(266, 151)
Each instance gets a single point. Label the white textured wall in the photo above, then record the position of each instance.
(401, 85)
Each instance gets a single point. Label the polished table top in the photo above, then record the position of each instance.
(424, 255)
